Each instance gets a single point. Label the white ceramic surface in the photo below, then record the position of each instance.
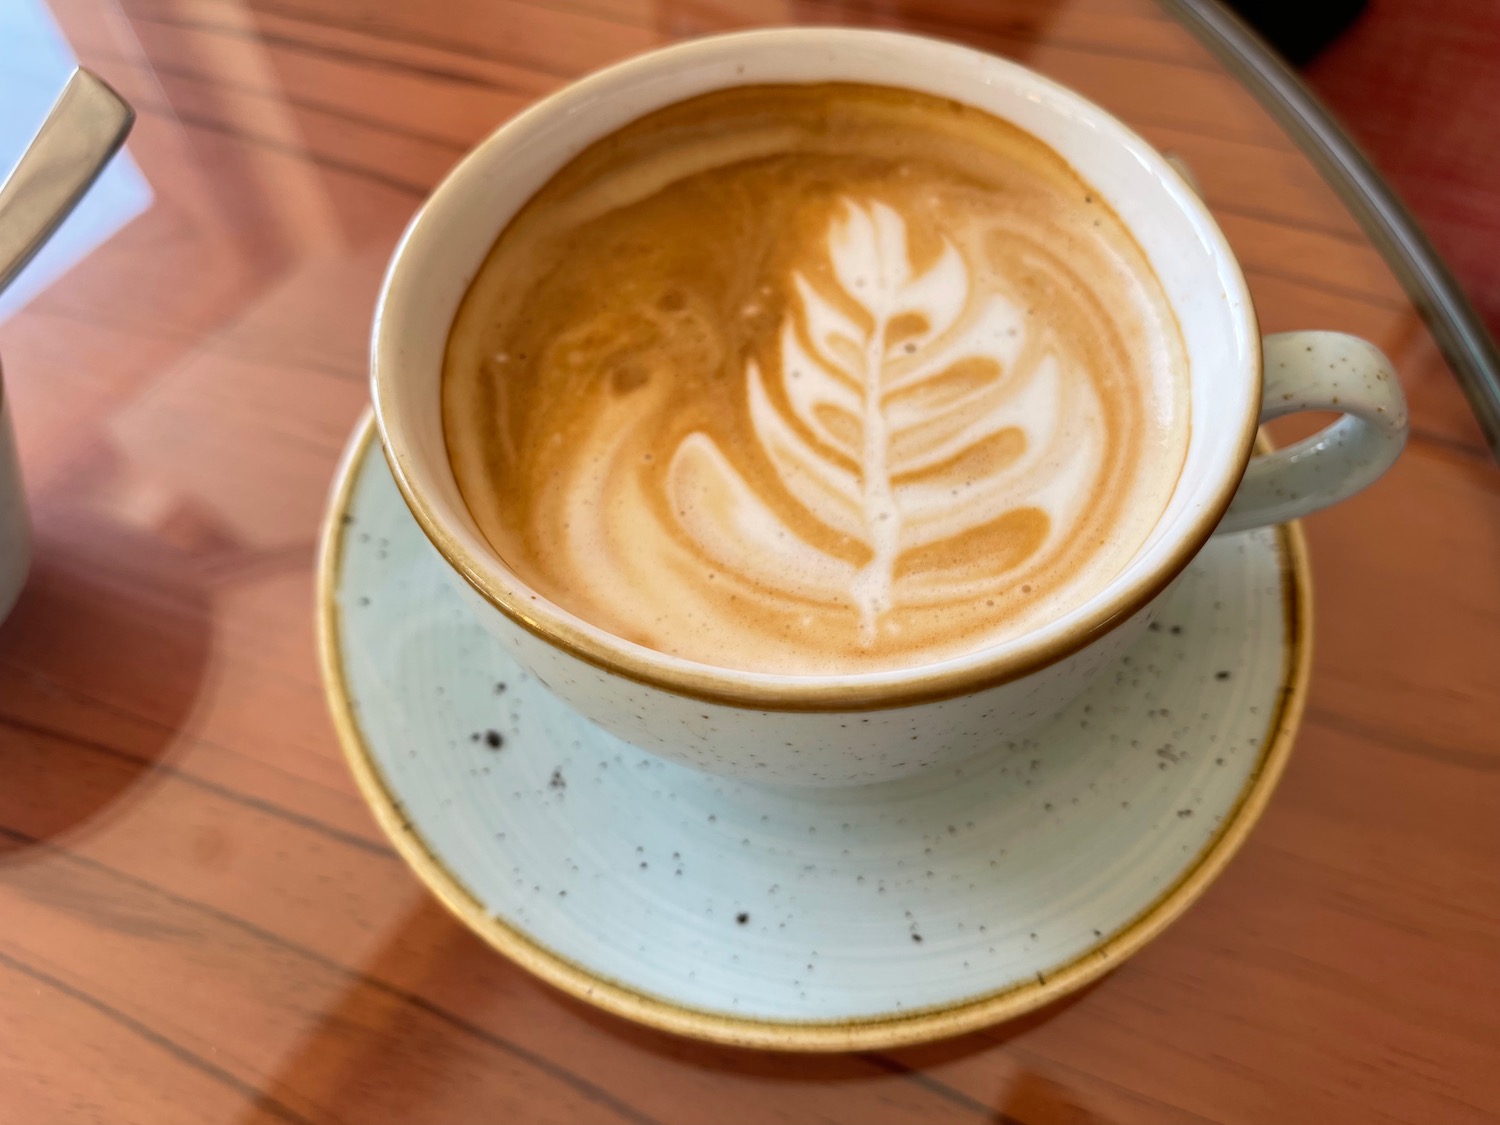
(1321, 371)
(807, 919)
(821, 730)
(15, 531)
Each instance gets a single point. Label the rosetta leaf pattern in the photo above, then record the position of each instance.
(893, 384)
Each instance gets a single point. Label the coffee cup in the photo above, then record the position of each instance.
(15, 531)
(841, 729)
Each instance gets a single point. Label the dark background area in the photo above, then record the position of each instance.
(1417, 82)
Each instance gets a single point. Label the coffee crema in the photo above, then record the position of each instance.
(816, 379)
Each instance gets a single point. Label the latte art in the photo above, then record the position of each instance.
(816, 379)
(906, 425)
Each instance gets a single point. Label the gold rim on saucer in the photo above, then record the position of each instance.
(918, 1026)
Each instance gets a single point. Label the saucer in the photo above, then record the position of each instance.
(817, 919)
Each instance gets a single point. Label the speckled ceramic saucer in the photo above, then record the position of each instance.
(814, 920)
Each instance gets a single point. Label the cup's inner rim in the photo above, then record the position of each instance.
(464, 548)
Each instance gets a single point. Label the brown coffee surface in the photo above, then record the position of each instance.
(816, 379)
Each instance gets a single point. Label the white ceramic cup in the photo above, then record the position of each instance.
(831, 730)
(15, 532)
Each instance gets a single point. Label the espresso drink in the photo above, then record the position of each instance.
(816, 379)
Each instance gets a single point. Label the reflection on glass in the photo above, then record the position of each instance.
(35, 62)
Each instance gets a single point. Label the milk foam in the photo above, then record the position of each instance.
(887, 387)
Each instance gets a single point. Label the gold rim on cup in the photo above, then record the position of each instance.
(861, 692)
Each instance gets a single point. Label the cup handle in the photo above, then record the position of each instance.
(1321, 371)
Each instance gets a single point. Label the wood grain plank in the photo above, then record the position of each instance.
(1317, 259)
(564, 43)
(1270, 180)
(53, 1034)
(352, 51)
(335, 136)
(1416, 648)
(328, 1046)
(452, 108)
(65, 377)
(1091, 28)
(1024, 1086)
(540, 38)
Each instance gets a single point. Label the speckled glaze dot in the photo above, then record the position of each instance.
(676, 896)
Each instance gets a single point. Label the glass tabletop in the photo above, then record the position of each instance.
(199, 918)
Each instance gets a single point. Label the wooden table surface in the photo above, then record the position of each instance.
(200, 921)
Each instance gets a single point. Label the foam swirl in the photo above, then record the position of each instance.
(816, 398)
(885, 415)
